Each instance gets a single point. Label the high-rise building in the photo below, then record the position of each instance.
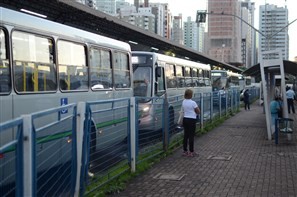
(224, 31)
(272, 21)
(194, 35)
(141, 3)
(106, 6)
(163, 19)
(158, 10)
(248, 34)
(89, 3)
(177, 29)
(143, 18)
(191, 34)
(167, 21)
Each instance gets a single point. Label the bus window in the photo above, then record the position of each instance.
(170, 76)
(4, 66)
(34, 70)
(73, 72)
(195, 77)
(121, 70)
(160, 81)
(180, 77)
(100, 69)
(200, 78)
(207, 78)
(188, 78)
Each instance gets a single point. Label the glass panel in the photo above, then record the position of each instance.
(34, 70)
(5, 81)
(100, 69)
(142, 81)
(170, 77)
(122, 76)
(73, 72)
(180, 77)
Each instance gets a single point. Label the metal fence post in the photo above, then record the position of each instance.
(202, 111)
(80, 118)
(220, 104)
(133, 134)
(211, 106)
(29, 177)
(166, 121)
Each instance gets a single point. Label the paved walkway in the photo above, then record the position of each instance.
(235, 159)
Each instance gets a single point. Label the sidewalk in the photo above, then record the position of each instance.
(235, 159)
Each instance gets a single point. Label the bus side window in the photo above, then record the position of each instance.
(5, 81)
(73, 72)
(200, 78)
(180, 77)
(4, 77)
(23, 75)
(170, 76)
(160, 85)
(100, 69)
(33, 66)
(122, 78)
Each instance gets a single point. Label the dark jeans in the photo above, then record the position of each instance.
(291, 105)
(189, 125)
(246, 105)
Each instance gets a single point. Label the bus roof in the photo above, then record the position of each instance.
(40, 25)
(174, 60)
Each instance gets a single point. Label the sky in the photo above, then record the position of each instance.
(190, 7)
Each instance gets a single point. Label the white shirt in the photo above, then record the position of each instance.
(189, 106)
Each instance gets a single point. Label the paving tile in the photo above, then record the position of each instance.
(257, 167)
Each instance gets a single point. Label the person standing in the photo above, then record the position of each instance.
(275, 107)
(191, 110)
(246, 99)
(290, 99)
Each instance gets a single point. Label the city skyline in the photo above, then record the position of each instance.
(185, 7)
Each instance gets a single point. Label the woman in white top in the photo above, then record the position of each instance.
(191, 110)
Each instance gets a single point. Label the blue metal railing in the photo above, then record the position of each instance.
(67, 150)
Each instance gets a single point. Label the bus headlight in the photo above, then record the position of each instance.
(145, 111)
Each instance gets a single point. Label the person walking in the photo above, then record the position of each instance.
(191, 110)
(290, 99)
(246, 99)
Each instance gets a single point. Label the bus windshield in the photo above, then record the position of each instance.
(218, 82)
(142, 81)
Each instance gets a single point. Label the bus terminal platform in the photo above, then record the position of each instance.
(234, 159)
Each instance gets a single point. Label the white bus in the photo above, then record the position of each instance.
(160, 76)
(44, 64)
(225, 79)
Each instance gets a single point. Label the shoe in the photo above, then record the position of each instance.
(90, 174)
(191, 154)
(185, 153)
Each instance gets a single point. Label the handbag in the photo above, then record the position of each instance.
(181, 117)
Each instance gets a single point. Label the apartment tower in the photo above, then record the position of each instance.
(273, 21)
(224, 31)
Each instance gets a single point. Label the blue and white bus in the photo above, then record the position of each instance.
(44, 64)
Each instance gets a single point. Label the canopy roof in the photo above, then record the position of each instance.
(289, 67)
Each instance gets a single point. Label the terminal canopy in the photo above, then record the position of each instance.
(289, 67)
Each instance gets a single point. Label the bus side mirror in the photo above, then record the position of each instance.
(158, 72)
